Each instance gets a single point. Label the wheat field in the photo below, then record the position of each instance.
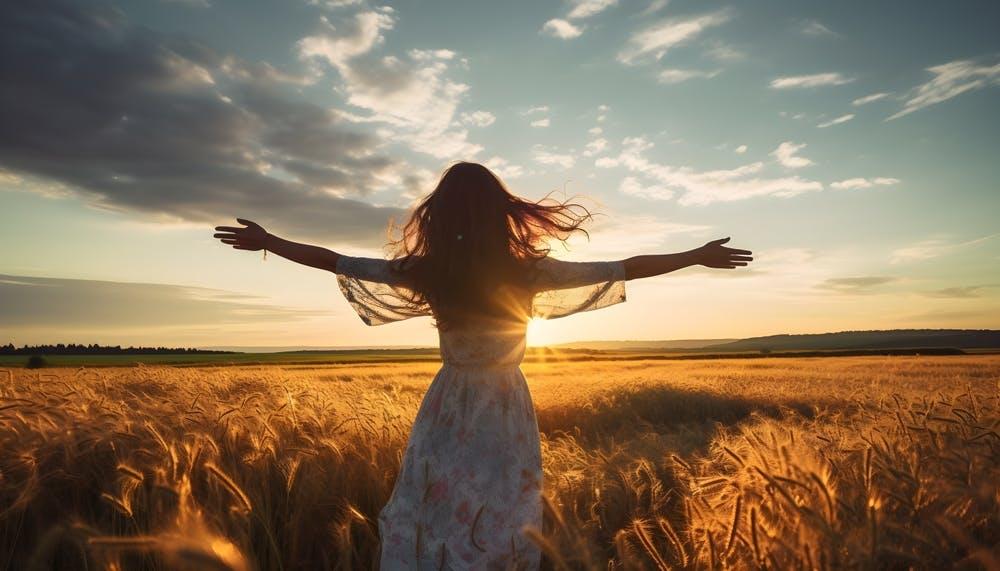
(809, 463)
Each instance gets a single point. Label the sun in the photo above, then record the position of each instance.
(538, 334)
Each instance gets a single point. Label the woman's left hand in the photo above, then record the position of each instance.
(252, 237)
(715, 255)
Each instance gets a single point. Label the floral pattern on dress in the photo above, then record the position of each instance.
(471, 476)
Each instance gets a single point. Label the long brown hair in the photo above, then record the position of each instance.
(468, 248)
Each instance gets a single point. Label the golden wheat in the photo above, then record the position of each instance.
(774, 463)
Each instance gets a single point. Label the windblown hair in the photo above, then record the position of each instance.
(468, 248)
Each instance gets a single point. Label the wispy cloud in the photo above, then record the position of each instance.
(853, 183)
(562, 29)
(595, 147)
(815, 28)
(960, 292)
(621, 236)
(334, 4)
(670, 76)
(870, 98)
(950, 80)
(740, 149)
(549, 156)
(700, 187)
(836, 121)
(933, 248)
(107, 306)
(544, 122)
(631, 186)
(654, 41)
(814, 80)
(723, 52)
(413, 95)
(856, 285)
(504, 168)
(653, 7)
(478, 118)
(786, 155)
(586, 8)
(536, 109)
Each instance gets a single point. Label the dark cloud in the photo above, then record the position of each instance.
(137, 121)
(856, 285)
(67, 304)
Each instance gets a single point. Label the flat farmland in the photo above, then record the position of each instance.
(779, 463)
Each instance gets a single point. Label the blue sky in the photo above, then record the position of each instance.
(851, 145)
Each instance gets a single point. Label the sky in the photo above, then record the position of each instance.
(851, 145)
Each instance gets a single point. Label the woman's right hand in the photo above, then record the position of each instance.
(715, 255)
(251, 237)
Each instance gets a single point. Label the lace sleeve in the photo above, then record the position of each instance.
(564, 288)
(376, 291)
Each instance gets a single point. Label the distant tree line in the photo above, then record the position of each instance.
(95, 349)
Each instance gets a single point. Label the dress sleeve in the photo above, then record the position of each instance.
(563, 288)
(376, 291)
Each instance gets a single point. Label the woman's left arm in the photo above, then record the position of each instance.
(711, 255)
(253, 237)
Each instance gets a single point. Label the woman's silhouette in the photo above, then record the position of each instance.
(474, 256)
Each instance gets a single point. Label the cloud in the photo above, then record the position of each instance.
(961, 292)
(547, 156)
(334, 4)
(631, 186)
(702, 187)
(563, 29)
(586, 8)
(740, 149)
(814, 80)
(193, 3)
(856, 285)
(723, 52)
(671, 76)
(559, 28)
(837, 121)
(620, 236)
(536, 109)
(950, 80)
(816, 29)
(503, 168)
(786, 152)
(870, 98)
(543, 122)
(478, 118)
(595, 147)
(859, 182)
(66, 305)
(933, 248)
(653, 7)
(413, 94)
(602, 113)
(654, 41)
(133, 121)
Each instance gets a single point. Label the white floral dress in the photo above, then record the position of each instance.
(471, 476)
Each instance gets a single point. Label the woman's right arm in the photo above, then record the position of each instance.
(254, 237)
(711, 255)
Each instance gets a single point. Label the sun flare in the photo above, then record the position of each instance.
(538, 334)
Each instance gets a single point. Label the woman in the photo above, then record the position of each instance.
(474, 256)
